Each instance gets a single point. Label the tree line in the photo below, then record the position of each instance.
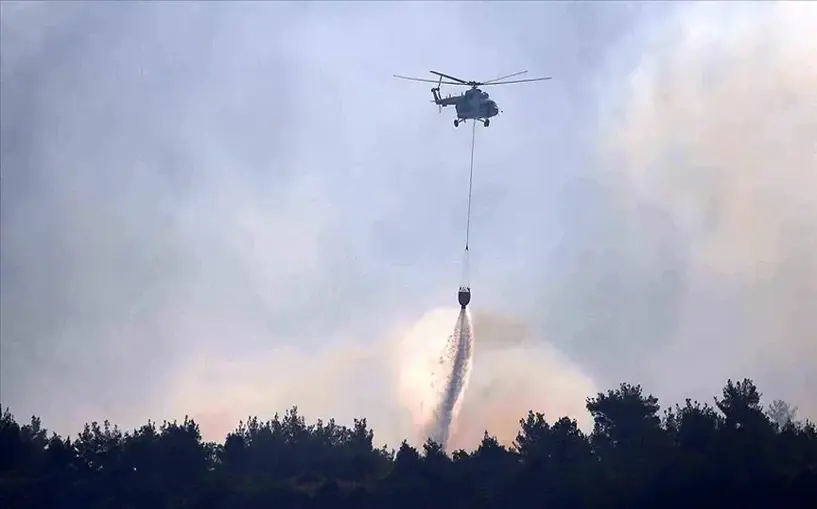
(731, 453)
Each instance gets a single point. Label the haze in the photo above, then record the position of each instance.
(226, 209)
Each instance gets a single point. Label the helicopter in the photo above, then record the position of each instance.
(474, 104)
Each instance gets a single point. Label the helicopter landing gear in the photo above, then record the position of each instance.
(456, 122)
(486, 122)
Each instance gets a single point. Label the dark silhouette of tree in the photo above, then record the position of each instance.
(781, 413)
(730, 454)
(628, 438)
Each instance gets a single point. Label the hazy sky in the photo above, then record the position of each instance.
(225, 209)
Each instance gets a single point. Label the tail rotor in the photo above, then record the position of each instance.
(437, 95)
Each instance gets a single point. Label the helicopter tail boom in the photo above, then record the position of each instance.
(439, 100)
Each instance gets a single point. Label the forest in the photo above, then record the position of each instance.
(730, 452)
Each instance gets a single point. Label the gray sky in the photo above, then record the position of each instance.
(224, 209)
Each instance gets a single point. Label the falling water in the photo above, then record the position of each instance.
(454, 368)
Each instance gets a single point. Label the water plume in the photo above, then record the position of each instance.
(454, 370)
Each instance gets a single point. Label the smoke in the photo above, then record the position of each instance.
(434, 372)
(712, 147)
(203, 213)
(514, 371)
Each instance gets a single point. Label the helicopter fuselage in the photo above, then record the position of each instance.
(473, 104)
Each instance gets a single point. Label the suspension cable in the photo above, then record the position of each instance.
(466, 262)
(470, 185)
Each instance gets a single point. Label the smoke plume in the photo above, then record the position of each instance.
(513, 371)
(711, 147)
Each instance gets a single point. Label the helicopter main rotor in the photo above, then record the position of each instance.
(473, 84)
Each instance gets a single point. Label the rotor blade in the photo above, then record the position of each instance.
(425, 80)
(449, 77)
(517, 81)
(504, 77)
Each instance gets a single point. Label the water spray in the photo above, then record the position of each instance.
(455, 363)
